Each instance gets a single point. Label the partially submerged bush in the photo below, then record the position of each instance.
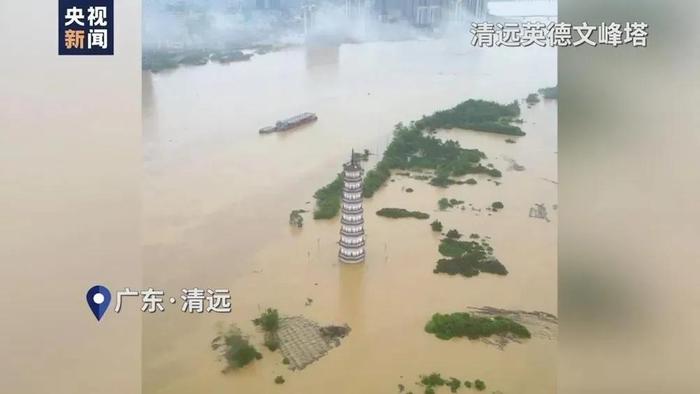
(453, 234)
(532, 98)
(444, 203)
(295, 218)
(269, 320)
(234, 348)
(454, 384)
(434, 379)
(271, 341)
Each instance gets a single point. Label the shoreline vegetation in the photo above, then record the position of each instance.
(158, 60)
(414, 149)
(396, 213)
(328, 199)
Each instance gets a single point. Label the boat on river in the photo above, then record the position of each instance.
(290, 123)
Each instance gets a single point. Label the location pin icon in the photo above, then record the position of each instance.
(98, 298)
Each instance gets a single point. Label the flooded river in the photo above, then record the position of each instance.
(217, 197)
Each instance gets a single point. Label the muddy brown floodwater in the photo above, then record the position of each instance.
(217, 198)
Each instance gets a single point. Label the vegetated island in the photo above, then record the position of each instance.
(463, 324)
(397, 213)
(413, 149)
(445, 203)
(478, 115)
(467, 258)
(496, 206)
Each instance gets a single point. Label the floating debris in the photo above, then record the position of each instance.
(539, 211)
(514, 165)
(540, 324)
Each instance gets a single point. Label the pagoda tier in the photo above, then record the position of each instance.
(352, 231)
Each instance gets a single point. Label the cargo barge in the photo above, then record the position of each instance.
(290, 123)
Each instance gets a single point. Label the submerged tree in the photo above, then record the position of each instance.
(295, 218)
(234, 348)
(269, 320)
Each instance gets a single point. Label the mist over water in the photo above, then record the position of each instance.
(217, 23)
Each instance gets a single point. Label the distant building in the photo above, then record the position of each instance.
(273, 5)
(269, 4)
(427, 13)
(352, 230)
(422, 13)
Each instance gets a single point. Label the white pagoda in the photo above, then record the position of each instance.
(352, 230)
